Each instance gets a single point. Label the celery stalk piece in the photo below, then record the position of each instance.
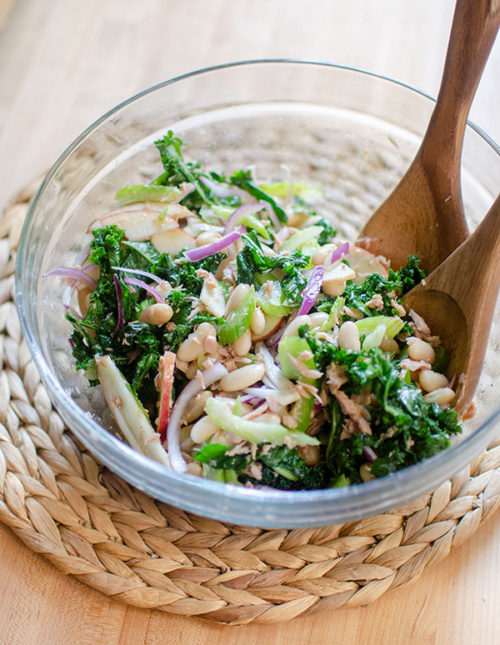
(238, 320)
(254, 431)
(302, 413)
(128, 411)
(294, 346)
(392, 325)
(302, 237)
(272, 304)
(374, 338)
(150, 193)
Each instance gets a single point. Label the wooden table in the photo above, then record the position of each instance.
(63, 63)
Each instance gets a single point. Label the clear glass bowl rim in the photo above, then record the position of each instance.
(270, 508)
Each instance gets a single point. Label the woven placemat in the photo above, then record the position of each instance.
(94, 526)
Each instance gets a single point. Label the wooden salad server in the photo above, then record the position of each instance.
(457, 300)
(424, 214)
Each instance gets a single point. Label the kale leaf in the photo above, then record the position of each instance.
(137, 346)
(328, 232)
(252, 260)
(284, 468)
(243, 179)
(357, 296)
(178, 170)
(405, 429)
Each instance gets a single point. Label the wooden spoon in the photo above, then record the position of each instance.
(424, 214)
(457, 300)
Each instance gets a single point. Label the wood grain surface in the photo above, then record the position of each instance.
(62, 64)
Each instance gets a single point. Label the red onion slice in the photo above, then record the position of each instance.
(146, 287)
(246, 209)
(340, 252)
(146, 274)
(369, 453)
(199, 383)
(203, 252)
(72, 274)
(311, 290)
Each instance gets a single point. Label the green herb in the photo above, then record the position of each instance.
(243, 179)
(416, 429)
(252, 261)
(238, 320)
(327, 234)
(282, 467)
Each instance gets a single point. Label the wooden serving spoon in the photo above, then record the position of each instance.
(424, 214)
(457, 300)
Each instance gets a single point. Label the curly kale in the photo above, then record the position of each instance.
(252, 260)
(282, 467)
(178, 170)
(99, 331)
(243, 179)
(405, 429)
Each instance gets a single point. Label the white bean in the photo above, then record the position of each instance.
(442, 395)
(348, 337)
(157, 314)
(293, 326)
(430, 381)
(297, 220)
(320, 255)
(242, 345)
(236, 297)
(207, 237)
(204, 330)
(419, 350)
(192, 370)
(197, 406)
(258, 322)
(365, 472)
(189, 349)
(203, 429)
(243, 377)
(318, 318)
(389, 345)
(333, 288)
(194, 468)
(193, 345)
(84, 299)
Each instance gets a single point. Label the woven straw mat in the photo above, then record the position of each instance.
(94, 526)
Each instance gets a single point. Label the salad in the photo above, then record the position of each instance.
(235, 336)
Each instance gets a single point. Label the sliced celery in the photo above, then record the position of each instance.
(254, 431)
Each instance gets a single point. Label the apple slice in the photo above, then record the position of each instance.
(173, 241)
(272, 325)
(141, 221)
(166, 378)
(335, 277)
(364, 263)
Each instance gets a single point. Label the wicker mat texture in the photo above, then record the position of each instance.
(94, 526)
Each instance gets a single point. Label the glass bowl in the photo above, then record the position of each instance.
(348, 130)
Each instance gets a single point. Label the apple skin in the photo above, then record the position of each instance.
(166, 378)
(143, 220)
(272, 325)
(364, 263)
(173, 241)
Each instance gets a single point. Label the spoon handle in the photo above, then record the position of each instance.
(473, 32)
